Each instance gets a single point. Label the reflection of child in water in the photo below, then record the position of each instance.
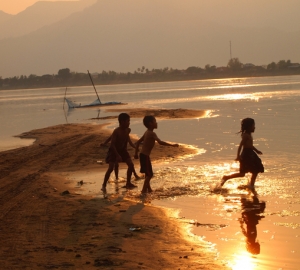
(250, 217)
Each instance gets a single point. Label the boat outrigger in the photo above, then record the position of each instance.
(97, 102)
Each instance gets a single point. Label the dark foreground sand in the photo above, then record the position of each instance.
(41, 228)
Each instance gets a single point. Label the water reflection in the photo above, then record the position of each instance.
(71, 112)
(252, 210)
(243, 261)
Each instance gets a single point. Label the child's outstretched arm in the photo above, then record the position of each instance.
(137, 145)
(257, 151)
(106, 141)
(240, 149)
(164, 143)
(131, 143)
(113, 145)
(129, 139)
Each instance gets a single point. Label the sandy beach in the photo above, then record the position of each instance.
(45, 224)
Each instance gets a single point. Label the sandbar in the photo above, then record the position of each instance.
(46, 225)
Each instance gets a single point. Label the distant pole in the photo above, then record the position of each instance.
(65, 98)
(230, 49)
(94, 86)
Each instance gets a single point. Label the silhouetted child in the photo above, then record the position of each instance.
(148, 140)
(116, 168)
(246, 154)
(118, 150)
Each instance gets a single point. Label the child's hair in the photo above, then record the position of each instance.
(246, 124)
(253, 248)
(123, 117)
(148, 119)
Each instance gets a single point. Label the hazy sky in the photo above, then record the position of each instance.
(16, 6)
(122, 35)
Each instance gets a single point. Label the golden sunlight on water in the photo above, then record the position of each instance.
(226, 217)
(234, 97)
(243, 261)
(219, 217)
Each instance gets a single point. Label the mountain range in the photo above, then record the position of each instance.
(37, 16)
(4, 17)
(125, 35)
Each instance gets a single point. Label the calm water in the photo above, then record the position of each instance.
(222, 219)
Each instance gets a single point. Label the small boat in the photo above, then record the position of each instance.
(97, 102)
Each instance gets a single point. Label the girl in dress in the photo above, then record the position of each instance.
(247, 154)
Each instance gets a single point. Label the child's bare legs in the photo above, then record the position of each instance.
(149, 189)
(129, 173)
(227, 177)
(135, 174)
(107, 175)
(116, 169)
(253, 178)
(146, 187)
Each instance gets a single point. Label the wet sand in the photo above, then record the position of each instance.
(46, 223)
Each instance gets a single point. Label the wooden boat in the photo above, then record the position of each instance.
(96, 103)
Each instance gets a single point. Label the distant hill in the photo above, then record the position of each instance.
(37, 16)
(4, 17)
(126, 35)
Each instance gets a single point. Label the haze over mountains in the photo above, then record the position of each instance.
(125, 35)
(37, 16)
(4, 17)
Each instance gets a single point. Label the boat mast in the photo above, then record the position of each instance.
(65, 98)
(94, 86)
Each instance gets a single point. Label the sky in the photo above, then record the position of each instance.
(151, 33)
(16, 6)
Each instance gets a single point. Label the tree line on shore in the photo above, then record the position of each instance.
(67, 78)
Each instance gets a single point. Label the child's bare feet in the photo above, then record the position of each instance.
(130, 186)
(143, 192)
(143, 196)
(137, 177)
(103, 188)
(251, 187)
(224, 179)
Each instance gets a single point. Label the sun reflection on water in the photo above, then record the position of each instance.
(243, 261)
(235, 97)
(219, 216)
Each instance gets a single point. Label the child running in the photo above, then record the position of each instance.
(116, 168)
(148, 140)
(118, 150)
(246, 154)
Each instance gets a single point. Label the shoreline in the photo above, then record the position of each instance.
(51, 229)
(166, 80)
